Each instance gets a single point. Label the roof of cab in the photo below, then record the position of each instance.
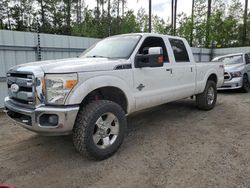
(150, 34)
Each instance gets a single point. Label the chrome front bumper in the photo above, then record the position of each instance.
(30, 118)
(234, 83)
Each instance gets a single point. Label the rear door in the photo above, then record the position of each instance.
(184, 69)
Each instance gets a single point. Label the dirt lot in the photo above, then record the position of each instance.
(174, 145)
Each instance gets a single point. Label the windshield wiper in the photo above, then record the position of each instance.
(98, 56)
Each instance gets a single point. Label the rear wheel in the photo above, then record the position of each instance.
(207, 99)
(99, 129)
(245, 85)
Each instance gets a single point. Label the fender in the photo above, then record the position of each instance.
(201, 84)
(85, 87)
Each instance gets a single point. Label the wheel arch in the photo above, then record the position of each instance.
(201, 83)
(245, 74)
(213, 77)
(110, 93)
(105, 87)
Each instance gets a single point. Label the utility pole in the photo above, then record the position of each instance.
(192, 25)
(42, 12)
(244, 36)
(97, 8)
(150, 17)
(172, 17)
(175, 13)
(109, 17)
(208, 22)
(78, 11)
(123, 7)
(118, 8)
(118, 16)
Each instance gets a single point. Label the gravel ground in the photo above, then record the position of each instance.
(173, 145)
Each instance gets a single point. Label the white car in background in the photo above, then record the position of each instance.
(237, 71)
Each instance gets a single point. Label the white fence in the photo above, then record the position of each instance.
(21, 47)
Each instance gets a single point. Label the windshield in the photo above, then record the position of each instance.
(231, 60)
(114, 47)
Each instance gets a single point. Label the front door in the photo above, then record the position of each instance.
(152, 85)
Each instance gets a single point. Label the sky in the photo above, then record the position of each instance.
(162, 8)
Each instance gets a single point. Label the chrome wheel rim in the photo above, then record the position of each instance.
(210, 95)
(106, 130)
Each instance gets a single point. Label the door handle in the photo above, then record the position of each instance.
(191, 69)
(169, 70)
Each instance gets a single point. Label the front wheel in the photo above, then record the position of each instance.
(99, 129)
(245, 85)
(207, 99)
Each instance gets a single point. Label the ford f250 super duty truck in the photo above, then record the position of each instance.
(91, 96)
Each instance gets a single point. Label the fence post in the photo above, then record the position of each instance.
(212, 50)
(200, 54)
(38, 47)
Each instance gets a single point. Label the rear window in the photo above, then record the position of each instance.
(180, 51)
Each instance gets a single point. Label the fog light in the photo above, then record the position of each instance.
(48, 120)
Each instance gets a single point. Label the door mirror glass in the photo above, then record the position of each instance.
(154, 58)
(155, 51)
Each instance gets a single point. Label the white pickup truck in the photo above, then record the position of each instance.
(91, 96)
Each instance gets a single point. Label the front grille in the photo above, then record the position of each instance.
(21, 88)
(227, 76)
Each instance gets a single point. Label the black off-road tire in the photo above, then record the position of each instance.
(85, 124)
(245, 86)
(202, 99)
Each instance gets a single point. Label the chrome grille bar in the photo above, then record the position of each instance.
(227, 76)
(25, 94)
(22, 95)
(21, 82)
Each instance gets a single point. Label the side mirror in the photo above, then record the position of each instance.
(154, 58)
(155, 51)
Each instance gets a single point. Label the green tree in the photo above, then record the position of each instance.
(4, 14)
(73, 17)
(200, 14)
(142, 19)
(160, 26)
(185, 25)
(20, 13)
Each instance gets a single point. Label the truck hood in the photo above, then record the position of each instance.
(233, 68)
(71, 65)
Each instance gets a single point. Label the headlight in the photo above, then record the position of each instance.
(236, 74)
(58, 86)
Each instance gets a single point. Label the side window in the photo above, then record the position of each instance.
(153, 42)
(247, 59)
(179, 49)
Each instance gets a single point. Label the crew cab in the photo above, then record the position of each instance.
(91, 96)
(237, 71)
